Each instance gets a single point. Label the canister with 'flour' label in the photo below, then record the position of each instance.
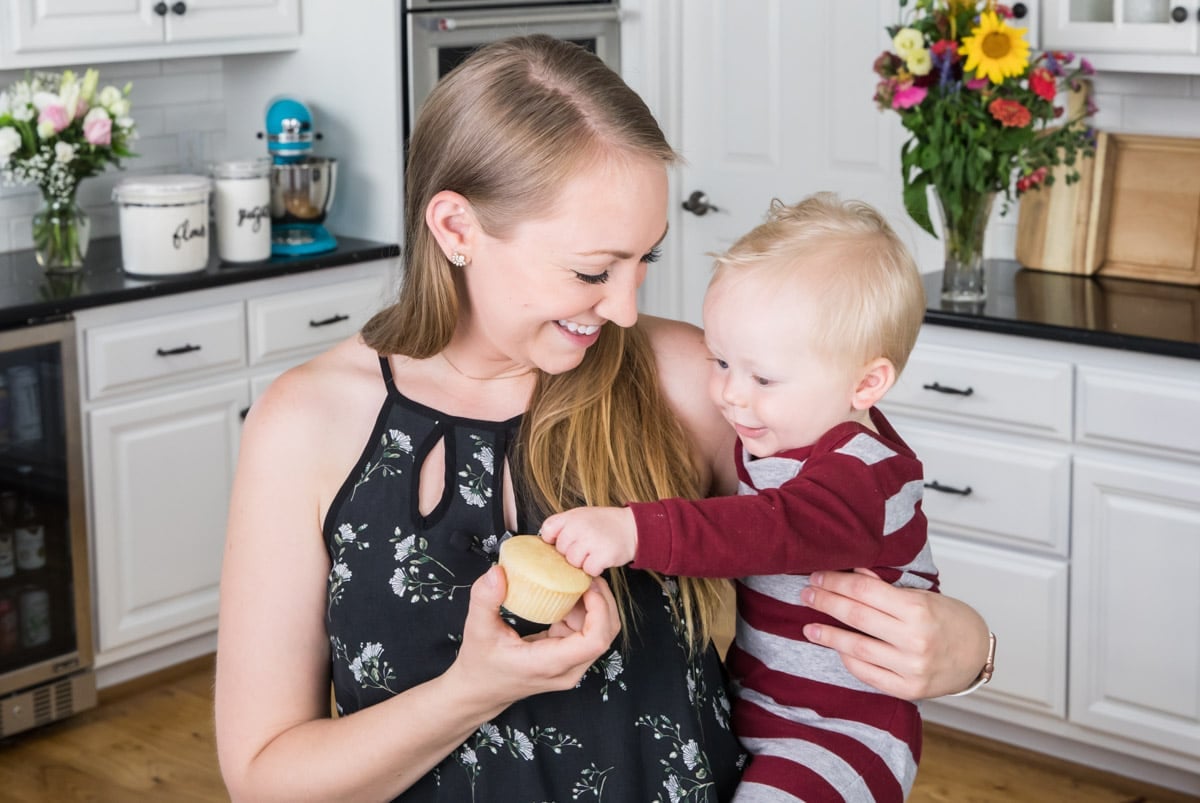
(164, 224)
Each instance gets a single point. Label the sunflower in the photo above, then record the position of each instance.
(995, 50)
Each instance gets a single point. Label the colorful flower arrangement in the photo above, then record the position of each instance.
(55, 131)
(980, 109)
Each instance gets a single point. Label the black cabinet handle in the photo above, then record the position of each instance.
(335, 319)
(1179, 13)
(245, 412)
(180, 350)
(1019, 10)
(934, 386)
(948, 489)
(160, 9)
(179, 8)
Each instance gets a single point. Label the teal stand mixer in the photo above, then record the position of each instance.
(302, 184)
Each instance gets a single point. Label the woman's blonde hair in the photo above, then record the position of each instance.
(872, 299)
(507, 129)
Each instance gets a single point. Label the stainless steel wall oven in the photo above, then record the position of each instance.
(439, 34)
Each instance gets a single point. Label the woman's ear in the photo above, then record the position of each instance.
(876, 379)
(449, 217)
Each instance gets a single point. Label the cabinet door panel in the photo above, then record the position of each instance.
(161, 472)
(1117, 26)
(41, 25)
(1024, 600)
(1135, 602)
(234, 19)
(1162, 404)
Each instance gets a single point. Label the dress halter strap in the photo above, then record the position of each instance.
(385, 366)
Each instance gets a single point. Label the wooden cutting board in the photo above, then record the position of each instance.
(1154, 228)
(1063, 227)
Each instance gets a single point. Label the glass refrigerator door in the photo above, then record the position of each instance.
(44, 613)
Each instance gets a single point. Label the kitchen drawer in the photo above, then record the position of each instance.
(1018, 494)
(129, 356)
(1140, 411)
(980, 388)
(300, 322)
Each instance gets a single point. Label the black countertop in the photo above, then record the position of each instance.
(29, 295)
(1150, 317)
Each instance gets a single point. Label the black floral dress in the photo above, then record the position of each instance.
(647, 722)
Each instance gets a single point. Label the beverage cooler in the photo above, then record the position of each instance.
(46, 669)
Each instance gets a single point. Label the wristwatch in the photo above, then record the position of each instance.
(985, 674)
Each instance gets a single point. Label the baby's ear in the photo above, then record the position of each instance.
(876, 379)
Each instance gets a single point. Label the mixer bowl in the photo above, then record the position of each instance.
(302, 190)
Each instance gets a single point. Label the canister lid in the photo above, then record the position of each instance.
(241, 168)
(163, 190)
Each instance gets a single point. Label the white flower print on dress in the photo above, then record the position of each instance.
(339, 573)
(478, 488)
(420, 577)
(368, 667)
(397, 446)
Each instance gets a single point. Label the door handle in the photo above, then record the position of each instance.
(697, 203)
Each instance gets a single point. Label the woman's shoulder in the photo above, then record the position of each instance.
(321, 410)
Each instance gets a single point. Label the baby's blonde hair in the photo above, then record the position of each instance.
(872, 298)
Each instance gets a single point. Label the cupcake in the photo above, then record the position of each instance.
(542, 586)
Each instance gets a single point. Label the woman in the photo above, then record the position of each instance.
(512, 379)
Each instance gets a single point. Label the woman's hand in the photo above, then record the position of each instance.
(495, 658)
(914, 644)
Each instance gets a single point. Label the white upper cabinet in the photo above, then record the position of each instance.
(43, 33)
(1126, 35)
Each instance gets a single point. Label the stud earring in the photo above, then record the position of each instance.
(458, 260)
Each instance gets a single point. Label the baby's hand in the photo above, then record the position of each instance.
(593, 538)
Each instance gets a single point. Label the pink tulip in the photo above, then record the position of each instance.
(98, 130)
(909, 96)
(56, 116)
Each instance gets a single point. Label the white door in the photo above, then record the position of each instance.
(1120, 26)
(777, 103)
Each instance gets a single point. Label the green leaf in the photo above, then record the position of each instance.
(916, 203)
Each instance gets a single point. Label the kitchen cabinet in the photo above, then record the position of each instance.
(42, 33)
(1065, 507)
(167, 383)
(1125, 35)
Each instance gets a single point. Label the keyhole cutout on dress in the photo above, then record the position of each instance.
(432, 485)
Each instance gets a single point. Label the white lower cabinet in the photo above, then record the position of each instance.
(162, 469)
(1063, 498)
(1135, 601)
(168, 384)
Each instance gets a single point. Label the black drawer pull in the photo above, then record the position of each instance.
(180, 350)
(160, 9)
(943, 389)
(327, 321)
(245, 412)
(948, 489)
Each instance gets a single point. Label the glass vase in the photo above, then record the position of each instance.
(60, 234)
(963, 226)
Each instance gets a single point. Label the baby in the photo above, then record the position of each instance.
(809, 319)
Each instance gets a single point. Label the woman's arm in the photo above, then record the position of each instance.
(914, 644)
(275, 737)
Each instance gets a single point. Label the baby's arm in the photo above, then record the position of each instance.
(593, 538)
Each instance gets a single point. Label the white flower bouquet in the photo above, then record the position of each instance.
(55, 131)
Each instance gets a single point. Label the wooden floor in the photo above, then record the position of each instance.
(152, 740)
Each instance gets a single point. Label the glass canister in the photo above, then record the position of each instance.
(164, 224)
(242, 197)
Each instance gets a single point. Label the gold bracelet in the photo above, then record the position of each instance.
(985, 674)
